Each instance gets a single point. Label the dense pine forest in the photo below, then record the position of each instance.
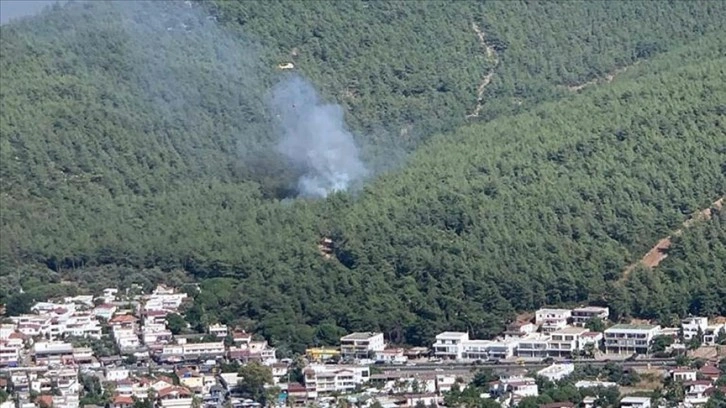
(136, 147)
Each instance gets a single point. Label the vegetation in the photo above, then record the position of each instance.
(130, 158)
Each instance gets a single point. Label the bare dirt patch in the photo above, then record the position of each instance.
(491, 55)
(604, 80)
(660, 251)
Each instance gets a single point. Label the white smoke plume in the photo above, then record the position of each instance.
(315, 138)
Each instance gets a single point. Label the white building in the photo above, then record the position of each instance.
(581, 315)
(556, 372)
(565, 341)
(504, 349)
(9, 354)
(322, 379)
(534, 345)
(117, 374)
(635, 402)
(552, 319)
(361, 345)
(450, 345)
(518, 386)
(218, 330)
(391, 356)
(630, 338)
(696, 392)
(710, 335)
(105, 311)
(595, 384)
(692, 326)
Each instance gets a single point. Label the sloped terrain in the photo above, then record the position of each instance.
(121, 163)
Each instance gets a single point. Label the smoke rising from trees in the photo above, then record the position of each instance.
(316, 139)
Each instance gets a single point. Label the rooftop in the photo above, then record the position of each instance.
(632, 327)
(591, 309)
(451, 335)
(360, 336)
(571, 330)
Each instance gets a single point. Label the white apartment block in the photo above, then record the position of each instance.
(551, 320)
(191, 351)
(105, 311)
(254, 351)
(692, 325)
(504, 349)
(556, 372)
(361, 345)
(450, 345)
(321, 379)
(635, 402)
(458, 346)
(391, 355)
(581, 315)
(710, 335)
(126, 338)
(6, 330)
(684, 374)
(565, 341)
(164, 298)
(9, 354)
(218, 330)
(534, 345)
(630, 338)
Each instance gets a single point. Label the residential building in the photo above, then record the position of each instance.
(693, 327)
(9, 355)
(594, 338)
(556, 372)
(218, 330)
(361, 345)
(258, 351)
(391, 356)
(534, 345)
(519, 386)
(710, 335)
(696, 392)
(635, 402)
(504, 349)
(565, 341)
(520, 329)
(684, 374)
(319, 354)
(105, 311)
(476, 349)
(550, 320)
(52, 353)
(595, 384)
(193, 351)
(581, 315)
(322, 379)
(450, 345)
(630, 338)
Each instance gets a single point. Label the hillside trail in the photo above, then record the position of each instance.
(604, 80)
(660, 251)
(492, 56)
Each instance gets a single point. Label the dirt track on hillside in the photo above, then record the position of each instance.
(660, 251)
(491, 55)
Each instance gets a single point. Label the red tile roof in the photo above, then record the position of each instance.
(123, 319)
(121, 400)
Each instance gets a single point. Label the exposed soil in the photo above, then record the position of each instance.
(660, 251)
(606, 79)
(491, 55)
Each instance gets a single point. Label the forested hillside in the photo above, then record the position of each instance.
(136, 147)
